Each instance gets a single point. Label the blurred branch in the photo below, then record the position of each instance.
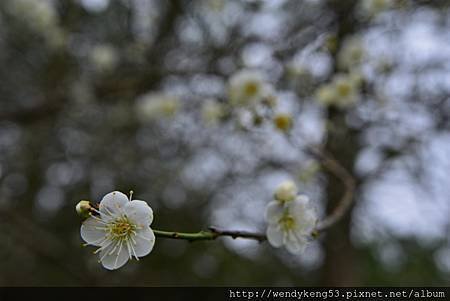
(27, 116)
(345, 177)
(342, 174)
(42, 243)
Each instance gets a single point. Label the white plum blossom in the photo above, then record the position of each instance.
(157, 105)
(104, 57)
(352, 53)
(42, 17)
(373, 7)
(342, 91)
(120, 228)
(41, 14)
(247, 87)
(347, 89)
(290, 223)
(325, 95)
(212, 111)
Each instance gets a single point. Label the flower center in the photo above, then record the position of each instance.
(287, 222)
(344, 89)
(251, 88)
(121, 228)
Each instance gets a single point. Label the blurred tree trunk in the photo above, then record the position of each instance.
(341, 261)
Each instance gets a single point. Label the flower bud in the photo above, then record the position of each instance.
(83, 209)
(286, 191)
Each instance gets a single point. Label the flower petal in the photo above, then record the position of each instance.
(139, 213)
(275, 235)
(91, 232)
(145, 240)
(298, 204)
(306, 224)
(114, 256)
(274, 211)
(305, 215)
(296, 244)
(113, 203)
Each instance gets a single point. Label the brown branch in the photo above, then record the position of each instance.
(210, 234)
(239, 234)
(346, 178)
(42, 243)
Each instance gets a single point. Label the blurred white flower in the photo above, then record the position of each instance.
(57, 38)
(121, 228)
(247, 87)
(374, 7)
(95, 6)
(309, 171)
(41, 14)
(342, 91)
(212, 111)
(286, 191)
(104, 57)
(346, 90)
(215, 5)
(351, 54)
(42, 17)
(325, 95)
(155, 105)
(290, 223)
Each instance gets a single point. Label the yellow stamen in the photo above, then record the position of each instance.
(287, 222)
(251, 88)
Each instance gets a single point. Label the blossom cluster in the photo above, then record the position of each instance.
(250, 100)
(250, 94)
(120, 226)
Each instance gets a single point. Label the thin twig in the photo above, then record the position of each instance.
(341, 173)
(239, 234)
(42, 243)
(349, 183)
(210, 234)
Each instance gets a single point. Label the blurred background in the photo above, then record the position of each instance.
(146, 95)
